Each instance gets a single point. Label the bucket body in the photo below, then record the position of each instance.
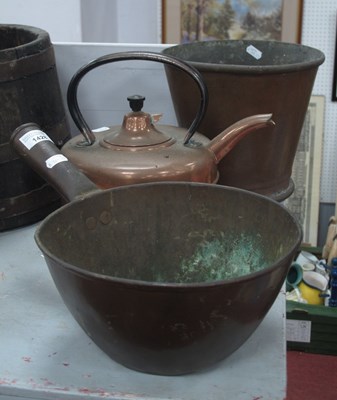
(240, 84)
(29, 91)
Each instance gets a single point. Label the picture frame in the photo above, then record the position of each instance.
(290, 31)
(306, 172)
(334, 79)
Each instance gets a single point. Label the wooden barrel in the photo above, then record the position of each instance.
(29, 92)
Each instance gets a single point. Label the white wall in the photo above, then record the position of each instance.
(319, 30)
(61, 18)
(102, 21)
(121, 21)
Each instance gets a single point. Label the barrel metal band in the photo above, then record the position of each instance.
(27, 202)
(19, 68)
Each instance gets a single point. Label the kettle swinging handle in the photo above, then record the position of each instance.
(133, 55)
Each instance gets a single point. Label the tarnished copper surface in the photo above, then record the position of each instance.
(280, 82)
(140, 151)
(121, 156)
(131, 264)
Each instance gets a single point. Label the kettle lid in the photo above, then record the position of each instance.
(137, 129)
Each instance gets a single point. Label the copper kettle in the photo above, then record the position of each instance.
(141, 151)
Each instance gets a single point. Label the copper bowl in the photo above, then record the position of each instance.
(169, 278)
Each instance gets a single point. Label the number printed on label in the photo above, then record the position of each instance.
(298, 331)
(31, 138)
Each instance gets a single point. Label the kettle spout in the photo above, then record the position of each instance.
(227, 140)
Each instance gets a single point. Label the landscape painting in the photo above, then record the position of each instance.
(230, 19)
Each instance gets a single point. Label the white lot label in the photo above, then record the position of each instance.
(253, 51)
(298, 331)
(102, 129)
(54, 160)
(31, 138)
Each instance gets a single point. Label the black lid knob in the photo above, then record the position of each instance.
(136, 102)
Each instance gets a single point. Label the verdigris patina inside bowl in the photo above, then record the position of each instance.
(169, 278)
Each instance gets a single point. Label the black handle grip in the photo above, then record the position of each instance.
(44, 157)
(133, 55)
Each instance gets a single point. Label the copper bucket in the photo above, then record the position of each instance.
(245, 78)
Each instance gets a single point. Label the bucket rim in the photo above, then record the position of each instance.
(317, 59)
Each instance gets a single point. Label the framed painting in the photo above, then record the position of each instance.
(191, 20)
